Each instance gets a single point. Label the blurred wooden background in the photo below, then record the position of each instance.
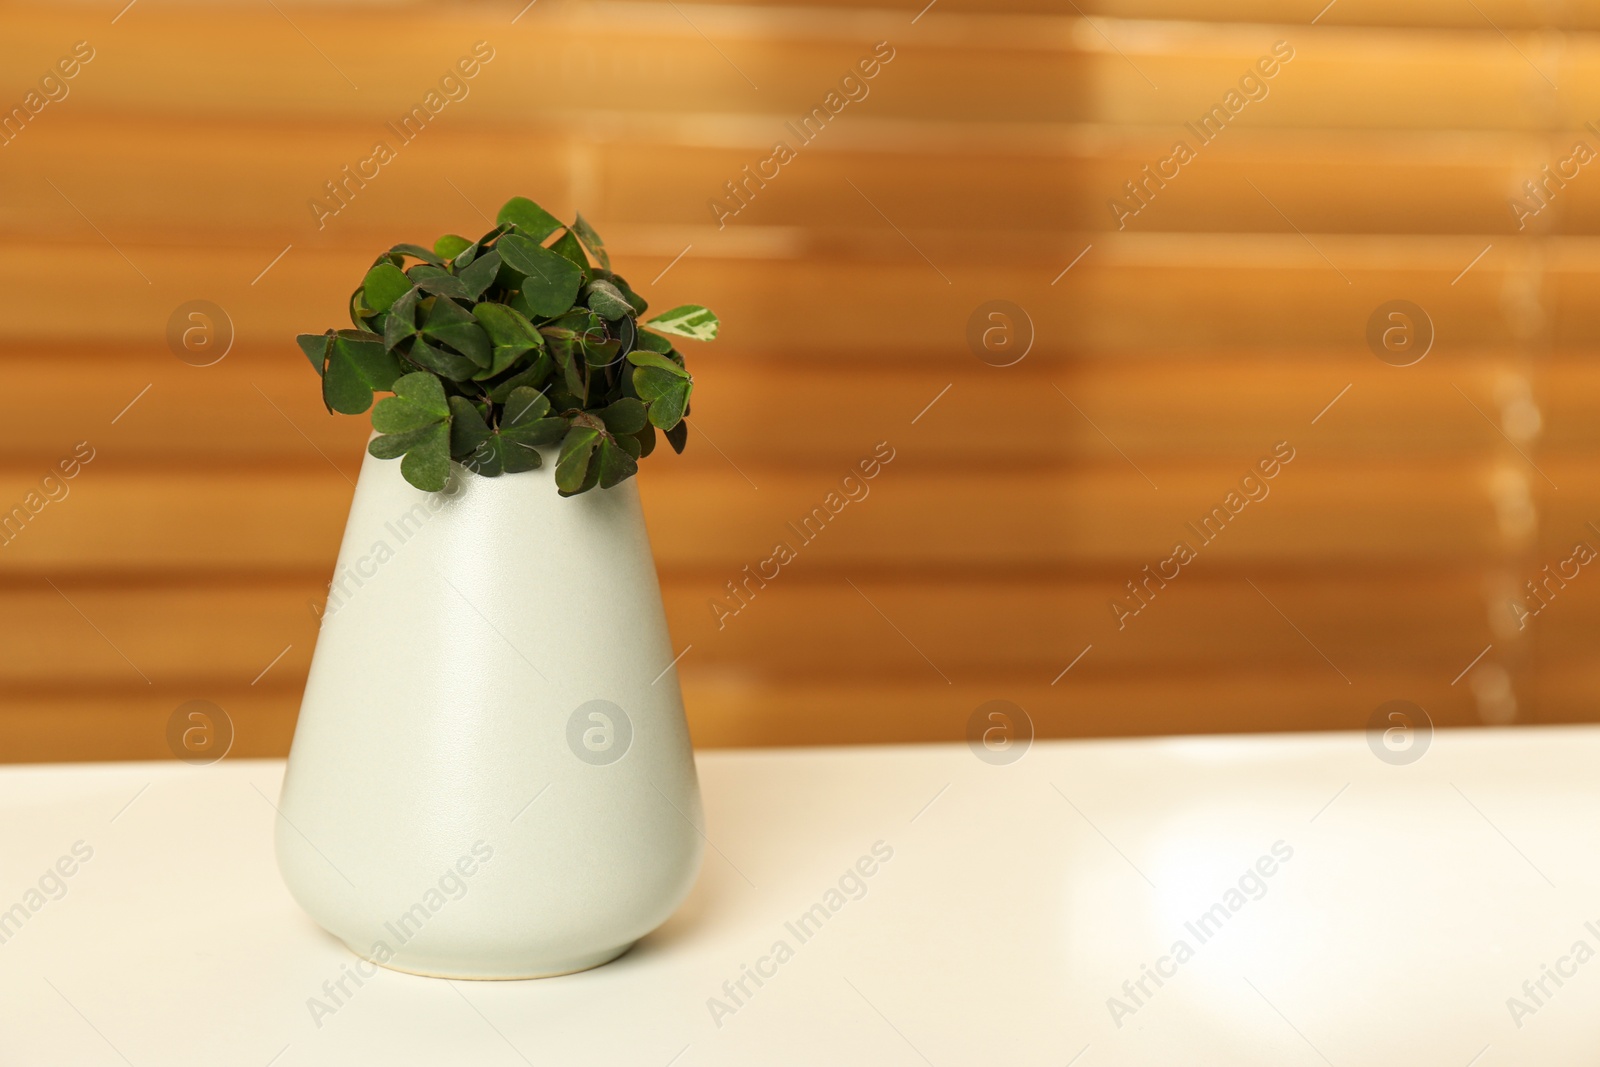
(1226, 317)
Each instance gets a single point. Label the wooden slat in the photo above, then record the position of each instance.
(1034, 628)
(1441, 80)
(1352, 183)
(738, 710)
(1562, 692)
(1319, 511)
(1507, 14)
(216, 636)
(1215, 288)
(227, 634)
(1060, 176)
(645, 57)
(131, 723)
(262, 406)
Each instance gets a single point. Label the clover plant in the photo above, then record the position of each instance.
(493, 348)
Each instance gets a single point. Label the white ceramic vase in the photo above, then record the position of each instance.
(491, 776)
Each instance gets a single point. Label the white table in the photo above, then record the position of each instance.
(1018, 900)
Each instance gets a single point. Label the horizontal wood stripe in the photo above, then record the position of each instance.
(1216, 293)
(261, 406)
(807, 625)
(1317, 509)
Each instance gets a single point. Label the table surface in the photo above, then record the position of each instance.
(1404, 909)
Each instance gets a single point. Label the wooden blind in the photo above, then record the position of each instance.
(1190, 318)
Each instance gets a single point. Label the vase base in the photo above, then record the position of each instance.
(573, 966)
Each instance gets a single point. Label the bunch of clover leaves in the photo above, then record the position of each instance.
(495, 347)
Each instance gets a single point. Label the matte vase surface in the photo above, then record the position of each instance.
(491, 776)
